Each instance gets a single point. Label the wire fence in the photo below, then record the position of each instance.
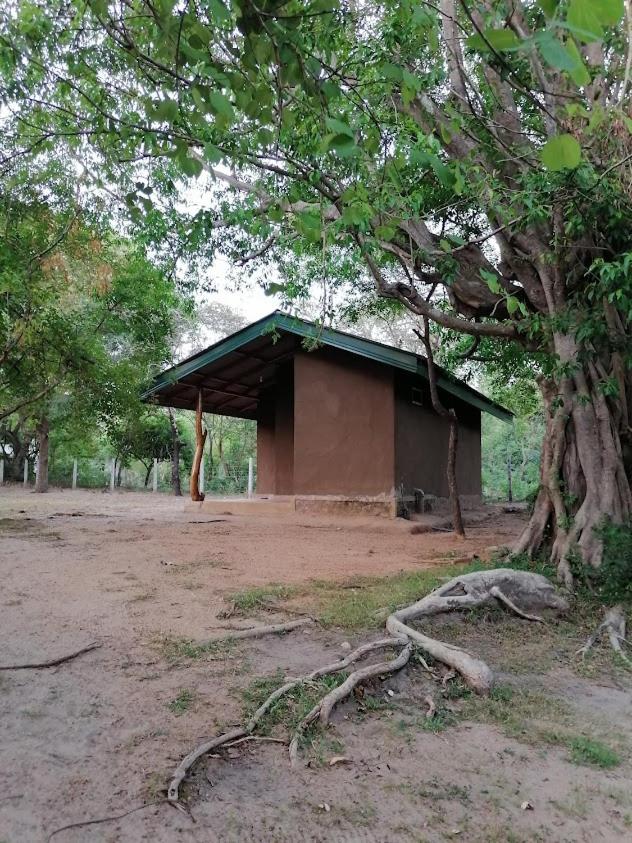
(221, 478)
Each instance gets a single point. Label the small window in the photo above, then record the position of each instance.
(416, 397)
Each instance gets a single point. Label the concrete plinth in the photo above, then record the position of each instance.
(284, 504)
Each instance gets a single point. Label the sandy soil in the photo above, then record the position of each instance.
(95, 736)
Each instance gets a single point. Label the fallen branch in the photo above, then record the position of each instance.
(51, 662)
(258, 738)
(84, 823)
(518, 591)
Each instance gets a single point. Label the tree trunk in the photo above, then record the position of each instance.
(200, 439)
(509, 479)
(148, 474)
(453, 440)
(41, 482)
(175, 455)
(583, 479)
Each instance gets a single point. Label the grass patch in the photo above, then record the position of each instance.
(526, 715)
(593, 753)
(257, 598)
(535, 718)
(175, 649)
(364, 602)
(293, 706)
(182, 702)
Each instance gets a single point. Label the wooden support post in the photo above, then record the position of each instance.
(74, 473)
(1, 471)
(26, 471)
(200, 440)
(251, 476)
(201, 480)
(155, 489)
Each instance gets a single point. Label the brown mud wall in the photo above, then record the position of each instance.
(421, 441)
(344, 431)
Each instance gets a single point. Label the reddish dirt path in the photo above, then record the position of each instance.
(96, 736)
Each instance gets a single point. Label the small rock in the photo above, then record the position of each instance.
(345, 645)
(325, 807)
(526, 805)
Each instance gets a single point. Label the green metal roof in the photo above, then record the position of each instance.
(279, 324)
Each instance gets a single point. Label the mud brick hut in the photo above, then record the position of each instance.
(343, 423)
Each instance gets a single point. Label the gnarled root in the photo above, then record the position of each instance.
(322, 710)
(249, 727)
(471, 591)
(613, 625)
(518, 591)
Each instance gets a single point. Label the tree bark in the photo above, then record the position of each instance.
(148, 474)
(175, 455)
(583, 479)
(453, 439)
(41, 482)
(200, 439)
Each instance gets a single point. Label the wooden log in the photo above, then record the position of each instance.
(200, 440)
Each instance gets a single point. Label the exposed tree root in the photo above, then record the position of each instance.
(613, 625)
(51, 662)
(517, 591)
(249, 727)
(322, 710)
(259, 631)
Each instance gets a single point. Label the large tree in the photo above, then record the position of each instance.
(470, 158)
(86, 320)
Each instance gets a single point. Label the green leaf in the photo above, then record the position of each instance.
(549, 7)
(494, 39)
(392, 72)
(308, 224)
(583, 22)
(219, 11)
(607, 12)
(190, 166)
(342, 144)
(385, 232)
(212, 153)
(491, 279)
(561, 152)
(166, 110)
(554, 52)
(338, 127)
(512, 305)
(221, 105)
(579, 73)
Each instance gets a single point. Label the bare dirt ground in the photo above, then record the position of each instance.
(99, 735)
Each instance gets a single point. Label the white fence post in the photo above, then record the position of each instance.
(155, 489)
(201, 479)
(74, 473)
(112, 474)
(1, 472)
(26, 472)
(251, 476)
